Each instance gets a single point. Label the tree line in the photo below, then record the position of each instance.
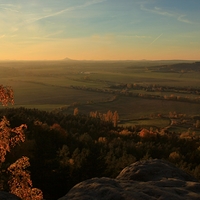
(131, 91)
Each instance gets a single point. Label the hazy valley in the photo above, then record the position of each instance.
(90, 119)
(143, 93)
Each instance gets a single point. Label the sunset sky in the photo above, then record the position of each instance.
(99, 29)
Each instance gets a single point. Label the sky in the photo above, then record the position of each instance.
(100, 29)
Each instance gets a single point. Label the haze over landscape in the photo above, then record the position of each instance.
(99, 29)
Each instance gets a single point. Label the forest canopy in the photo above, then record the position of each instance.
(66, 149)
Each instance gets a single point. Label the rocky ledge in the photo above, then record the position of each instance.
(143, 180)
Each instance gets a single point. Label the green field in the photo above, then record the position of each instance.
(62, 85)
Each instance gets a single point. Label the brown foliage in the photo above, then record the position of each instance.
(108, 117)
(20, 182)
(76, 111)
(9, 137)
(6, 95)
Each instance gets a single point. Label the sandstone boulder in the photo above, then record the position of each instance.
(144, 180)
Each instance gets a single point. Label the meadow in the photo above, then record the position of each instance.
(60, 86)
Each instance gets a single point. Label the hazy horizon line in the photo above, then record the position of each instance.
(68, 59)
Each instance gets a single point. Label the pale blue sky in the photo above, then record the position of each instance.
(100, 29)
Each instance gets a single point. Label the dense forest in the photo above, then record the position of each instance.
(65, 149)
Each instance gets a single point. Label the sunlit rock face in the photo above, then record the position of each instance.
(145, 180)
(8, 196)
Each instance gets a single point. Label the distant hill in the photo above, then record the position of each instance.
(67, 59)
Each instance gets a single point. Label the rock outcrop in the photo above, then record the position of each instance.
(8, 196)
(144, 180)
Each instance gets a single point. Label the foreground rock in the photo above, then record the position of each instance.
(145, 180)
(8, 196)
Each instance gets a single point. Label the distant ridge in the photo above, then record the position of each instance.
(142, 60)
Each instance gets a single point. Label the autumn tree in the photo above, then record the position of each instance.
(6, 95)
(94, 114)
(19, 182)
(9, 137)
(76, 111)
(108, 117)
(197, 125)
(115, 118)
